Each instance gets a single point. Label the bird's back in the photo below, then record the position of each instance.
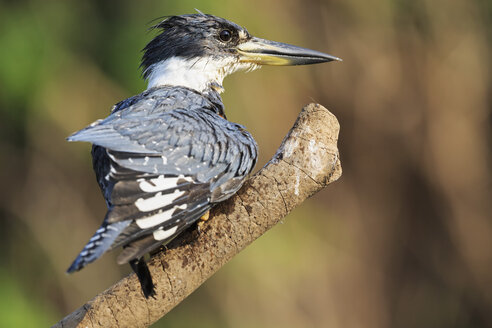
(162, 159)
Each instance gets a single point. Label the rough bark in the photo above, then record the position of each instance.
(306, 162)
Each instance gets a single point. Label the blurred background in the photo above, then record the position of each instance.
(403, 239)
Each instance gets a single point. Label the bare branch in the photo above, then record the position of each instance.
(305, 163)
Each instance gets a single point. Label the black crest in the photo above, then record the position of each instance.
(189, 36)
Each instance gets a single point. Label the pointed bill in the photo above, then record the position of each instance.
(266, 52)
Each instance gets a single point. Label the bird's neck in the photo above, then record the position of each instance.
(198, 74)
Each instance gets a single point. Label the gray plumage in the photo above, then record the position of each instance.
(164, 132)
(164, 157)
(192, 36)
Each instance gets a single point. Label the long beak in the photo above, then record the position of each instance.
(266, 52)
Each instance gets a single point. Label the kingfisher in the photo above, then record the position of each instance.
(165, 157)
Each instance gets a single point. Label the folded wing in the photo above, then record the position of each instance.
(160, 171)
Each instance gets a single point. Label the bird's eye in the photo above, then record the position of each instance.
(225, 35)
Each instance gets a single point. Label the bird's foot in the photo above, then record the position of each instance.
(205, 216)
(202, 221)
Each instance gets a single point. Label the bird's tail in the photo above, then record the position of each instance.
(143, 274)
(98, 244)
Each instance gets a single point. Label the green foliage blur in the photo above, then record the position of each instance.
(404, 239)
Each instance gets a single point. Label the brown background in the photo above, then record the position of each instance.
(404, 239)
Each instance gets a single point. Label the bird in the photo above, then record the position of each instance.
(163, 158)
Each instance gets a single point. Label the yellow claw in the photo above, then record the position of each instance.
(202, 221)
(205, 216)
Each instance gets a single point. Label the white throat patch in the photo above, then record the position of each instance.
(198, 74)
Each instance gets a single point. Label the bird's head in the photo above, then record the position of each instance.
(198, 51)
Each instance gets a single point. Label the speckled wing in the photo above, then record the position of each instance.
(162, 164)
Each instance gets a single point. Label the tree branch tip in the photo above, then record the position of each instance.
(306, 162)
